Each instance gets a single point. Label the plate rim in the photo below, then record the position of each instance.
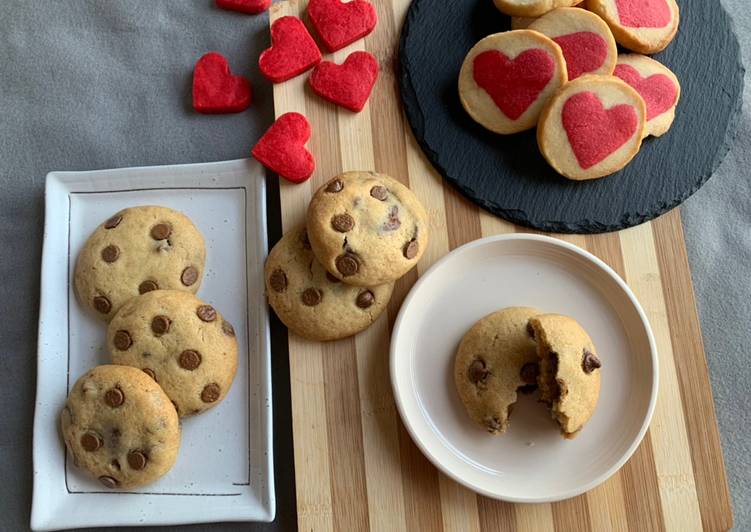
(398, 397)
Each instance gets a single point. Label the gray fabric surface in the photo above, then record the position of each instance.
(87, 84)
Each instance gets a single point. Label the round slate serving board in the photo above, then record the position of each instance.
(508, 176)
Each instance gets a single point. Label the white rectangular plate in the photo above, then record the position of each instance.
(224, 471)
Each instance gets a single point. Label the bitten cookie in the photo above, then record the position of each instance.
(180, 342)
(644, 26)
(592, 127)
(137, 250)
(506, 78)
(585, 40)
(496, 357)
(120, 427)
(569, 370)
(367, 228)
(656, 84)
(531, 8)
(310, 301)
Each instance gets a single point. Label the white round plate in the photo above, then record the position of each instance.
(531, 462)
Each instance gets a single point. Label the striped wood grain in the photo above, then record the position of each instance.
(356, 466)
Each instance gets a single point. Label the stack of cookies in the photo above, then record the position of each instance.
(172, 354)
(334, 277)
(559, 70)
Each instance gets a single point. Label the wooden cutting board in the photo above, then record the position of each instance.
(356, 467)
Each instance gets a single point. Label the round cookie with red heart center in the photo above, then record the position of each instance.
(310, 301)
(137, 250)
(656, 84)
(506, 78)
(531, 8)
(180, 342)
(120, 427)
(592, 127)
(644, 26)
(586, 41)
(367, 228)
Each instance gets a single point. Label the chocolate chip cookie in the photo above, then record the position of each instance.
(180, 342)
(310, 301)
(366, 228)
(496, 358)
(120, 427)
(569, 370)
(138, 250)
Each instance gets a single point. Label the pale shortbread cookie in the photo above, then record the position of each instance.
(531, 8)
(644, 26)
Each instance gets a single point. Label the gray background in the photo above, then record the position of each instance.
(87, 85)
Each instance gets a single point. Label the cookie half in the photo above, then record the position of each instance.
(120, 427)
(656, 84)
(507, 78)
(310, 301)
(585, 40)
(644, 26)
(180, 342)
(531, 8)
(569, 370)
(367, 228)
(592, 127)
(496, 358)
(137, 250)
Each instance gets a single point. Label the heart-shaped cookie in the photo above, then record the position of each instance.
(282, 148)
(292, 51)
(252, 7)
(348, 84)
(341, 23)
(644, 26)
(215, 89)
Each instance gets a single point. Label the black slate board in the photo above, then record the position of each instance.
(509, 177)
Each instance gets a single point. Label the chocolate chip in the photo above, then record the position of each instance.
(379, 192)
(343, 223)
(529, 373)
(210, 393)
(91, 441)
(478, 372)
(108, 482)
(150, 373)
(160, 325)
(365, 299)
(102, 304)
(189, 276)
(393, 223)
(147, 286)
(493, 424)
(161, 231)
(311, 297)
(206, 313)
(410, 249)
(114, 397)
(335, 185)
(530, 330)
(136, 460)
(110, 253)
(122, 340)
(113, 222)
(227, 328)
(347, 264)
(332, 278)
(590, 362)
(189, 359)
(278, 280)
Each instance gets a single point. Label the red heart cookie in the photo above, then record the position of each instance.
(348, 84)
(292, 52)
(282, 148)
(215, 89)
(658, 90)
(584, 51)
(339, 23)
(252, 7)
(644, 13)
(644, 26)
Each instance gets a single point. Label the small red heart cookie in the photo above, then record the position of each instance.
(531, 8)
(348, 84)
(657, 84)
(215, 89)
(339, 23)
(592, 127)
(252, 7)
(292, 52)
(506, 78)
(282, 148)
(644, 26)
(586, 41)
